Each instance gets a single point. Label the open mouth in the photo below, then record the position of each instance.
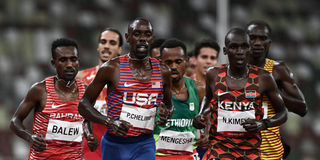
(142, 48)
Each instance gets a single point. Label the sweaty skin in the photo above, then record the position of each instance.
(139, 37)
(292, 96)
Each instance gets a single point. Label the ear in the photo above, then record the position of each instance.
(120, 50)
(52, 62)
(127, 36)
(224, 50)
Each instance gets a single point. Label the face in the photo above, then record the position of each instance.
(155, 53)
(175, 59)
(108, 45)
(237, 49)
(139, 36)
(259, 40)
(66, 62)
(208, 57)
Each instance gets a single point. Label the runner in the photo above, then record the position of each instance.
(136, 87)
(57, 125)
(235, 91)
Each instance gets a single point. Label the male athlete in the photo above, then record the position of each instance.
(57, 125)
(136, 88)
(206, 54)
(235, 91)
(259, 33)
(109, 46)
(177, 139)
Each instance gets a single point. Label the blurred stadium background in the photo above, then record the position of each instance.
(28, 27)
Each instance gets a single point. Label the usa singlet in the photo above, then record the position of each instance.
(134, 101)
(178, 136)
(61, 125)
(271, 146)
(98, 129)
(229, 140)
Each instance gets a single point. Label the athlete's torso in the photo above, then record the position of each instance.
(61, 125)
(271, 146)
(178, 136)
(230, 108)
(134, 101)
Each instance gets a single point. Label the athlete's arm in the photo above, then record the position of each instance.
(93, 141)
(204, 107)
(107, 74)
(103, 77)
(166, 108)
(268, 87)
(289, 90)
(33, 101)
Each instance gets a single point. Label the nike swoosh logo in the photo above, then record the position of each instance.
(90, 77)
(56, 106)
(223, 93)
(129, 85)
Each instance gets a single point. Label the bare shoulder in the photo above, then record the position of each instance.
(281, 67)
(37, 91)
(213, 71)
(110, 65)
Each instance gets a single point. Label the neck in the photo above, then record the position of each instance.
(260, 62)
(200, 77)
(178, 85)
(237, 73)
(64, 83)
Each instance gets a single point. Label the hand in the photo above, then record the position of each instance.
(199, 122)
(252, 125)
(120, 127)
(38, 142)
(164, 114)
(203, 141)
(93, 142)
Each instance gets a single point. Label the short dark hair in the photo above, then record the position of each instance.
(206, 43)
(156, 43)
(237, 31)
(172, 43)
(61, 42)
(115, 31)
(259, 23)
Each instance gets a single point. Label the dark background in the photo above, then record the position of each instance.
(28, 27)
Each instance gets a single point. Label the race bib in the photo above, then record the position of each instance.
(66, 131)
(173, 142)
(140, 118)
(265, 110)
(228, 122)
(101, 107)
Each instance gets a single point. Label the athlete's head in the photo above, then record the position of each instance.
(259, 33)
(65, 58)
(110, 44)
(155, 48)
(237, 47)
(206, 54)
(139, 36)
(174, 55)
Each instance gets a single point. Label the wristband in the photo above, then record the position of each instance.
(107, 121)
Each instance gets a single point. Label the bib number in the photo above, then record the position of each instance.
(142, 119)
(173, 142)
(229, 122)
(66, 131)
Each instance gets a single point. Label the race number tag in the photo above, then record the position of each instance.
(101, 106)
(229, 121)
(139, 117)
(175, 142)
(66, 131)
(265, 110)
